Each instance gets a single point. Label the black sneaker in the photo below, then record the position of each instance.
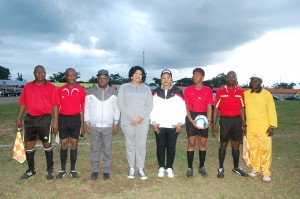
(74, 174)
(189, 172)
(94, 176)
(105, 176)
(28, 174)
(202, 171)
(220, 173)
(240, 172)
(50, 175)
(61, 174)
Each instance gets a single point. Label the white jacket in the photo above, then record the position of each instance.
(168, 107)
(101, 109)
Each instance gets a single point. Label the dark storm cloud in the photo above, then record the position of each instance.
(173, 34)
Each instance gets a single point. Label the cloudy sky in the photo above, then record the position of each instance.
(249, 37)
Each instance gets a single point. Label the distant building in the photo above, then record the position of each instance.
(12, 83)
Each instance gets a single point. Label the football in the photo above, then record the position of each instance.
(201, 121)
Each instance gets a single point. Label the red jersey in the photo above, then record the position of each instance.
(197, 100)
(39, 99)
(230, 101)
(71, 100)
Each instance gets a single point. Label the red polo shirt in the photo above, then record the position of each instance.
(71, 100)
(39, 99)
(197, 100)
(230, 101)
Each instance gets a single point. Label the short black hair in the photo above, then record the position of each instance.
(199, 70)
(134, 69)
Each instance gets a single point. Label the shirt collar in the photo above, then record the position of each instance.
(258, 91)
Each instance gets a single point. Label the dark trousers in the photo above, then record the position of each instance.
(166, 142)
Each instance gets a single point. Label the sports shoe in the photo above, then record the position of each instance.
(94, 175)
(161, 172)
(131, 173)
(253, 173)
(267, 178)
(106, 176)
(28, 174)
(240, 172)
(50, 175)
(189, 172)
(142, 174)
(170, 173)
(220, 173)
(74, 174)
(202, 171)
(61, 174)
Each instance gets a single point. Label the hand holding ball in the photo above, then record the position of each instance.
(201, 121)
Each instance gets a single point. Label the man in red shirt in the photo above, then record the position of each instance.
(230, 106)
(39, 98)
(70, 123)
(198, 99)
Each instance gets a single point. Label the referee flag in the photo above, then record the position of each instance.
(246, 152)
(19, 150)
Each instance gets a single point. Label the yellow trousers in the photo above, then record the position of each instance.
(260, 147)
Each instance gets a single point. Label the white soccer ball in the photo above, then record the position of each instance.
(201, 121)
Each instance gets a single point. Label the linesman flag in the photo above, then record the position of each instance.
(246, 152)
(19, 150)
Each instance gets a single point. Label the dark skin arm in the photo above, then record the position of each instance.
(22, 109)
(243, 117)
(215, 115)
(55, 120)
(270, 131)
(82, 130)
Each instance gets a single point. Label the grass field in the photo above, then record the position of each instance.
(285, 178)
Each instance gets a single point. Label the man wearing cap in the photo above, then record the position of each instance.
(230, 106)
(101, 117)
(261, 122)
(167, 117)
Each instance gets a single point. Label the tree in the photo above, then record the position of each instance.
(218, 81)
(157, 82)
(59, 77)
(19, 78)
(184, 82)
(4, 73)
(284, 85)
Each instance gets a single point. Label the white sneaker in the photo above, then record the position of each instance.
(170, 173)
(161, 172)
(267, 178)
(143, 175)
(253, 173)
(131, 173)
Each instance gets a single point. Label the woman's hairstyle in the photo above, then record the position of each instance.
(134, 69)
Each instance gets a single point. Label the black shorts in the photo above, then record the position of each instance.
(37, 125)
(69, 126)
(191, 130)
(230, 128)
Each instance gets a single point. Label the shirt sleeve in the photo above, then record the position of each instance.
(148, 105)
(87, 109)
(121, 104)
(116, 110)
(272, 111)
(82, 100)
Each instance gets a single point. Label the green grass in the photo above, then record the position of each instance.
(285, 168)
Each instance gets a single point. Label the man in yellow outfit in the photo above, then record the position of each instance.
(261, 121)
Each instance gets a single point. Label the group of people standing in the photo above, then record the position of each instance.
(101, 108)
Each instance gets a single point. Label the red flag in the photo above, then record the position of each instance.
(19, 150)
(246, 152)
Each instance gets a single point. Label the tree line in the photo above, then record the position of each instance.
(215, 82)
